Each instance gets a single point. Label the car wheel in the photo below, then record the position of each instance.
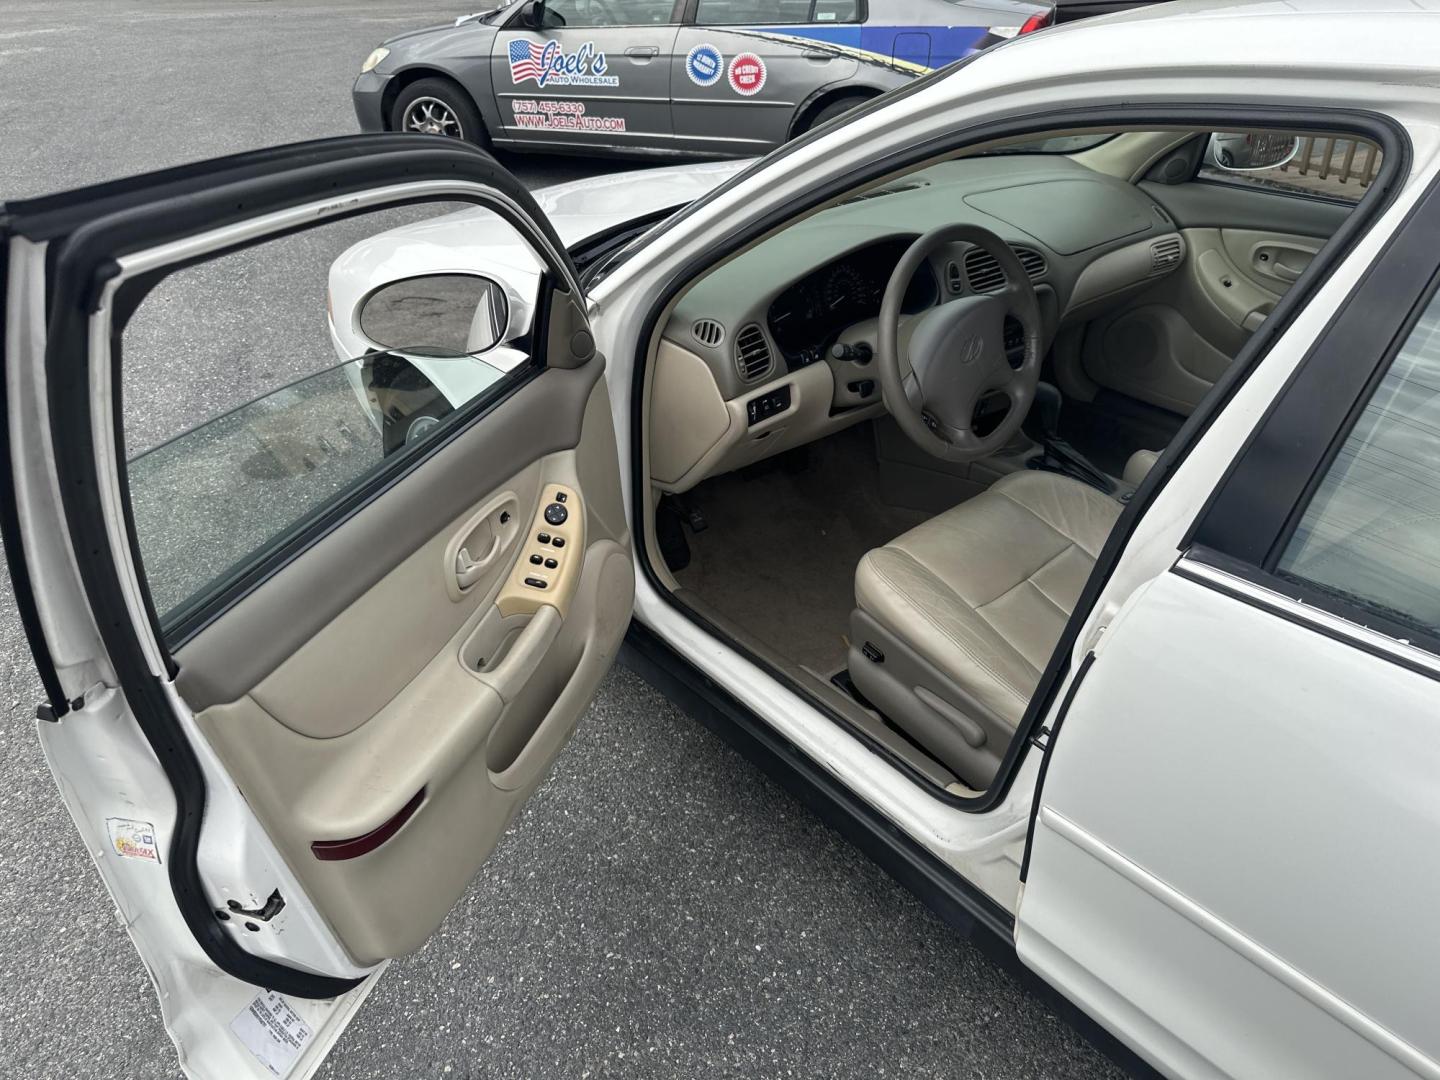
(838, 107)
(437, 107)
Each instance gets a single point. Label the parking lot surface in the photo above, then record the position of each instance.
(659, 910)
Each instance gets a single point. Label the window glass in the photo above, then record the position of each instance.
(1330, 167)
(263, 385)
(836, 11)
(1372, 532)
(581, 13)
(772, 12)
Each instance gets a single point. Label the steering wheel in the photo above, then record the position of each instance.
(955, 355)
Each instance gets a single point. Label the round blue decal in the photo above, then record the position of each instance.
(704, 65)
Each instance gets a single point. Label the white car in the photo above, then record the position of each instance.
(592, 217)
(1130, 671)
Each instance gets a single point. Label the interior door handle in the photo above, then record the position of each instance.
(643, 52)
(468, 569)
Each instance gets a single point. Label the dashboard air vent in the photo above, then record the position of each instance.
(708, 332)
(954, 281)
(985, 275)
(889, 189)
(1165, 254)
(753, 359)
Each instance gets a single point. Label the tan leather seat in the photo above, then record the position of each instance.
(969, 607)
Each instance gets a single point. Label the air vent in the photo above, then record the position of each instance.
(708, 332)
(954, 281)
(889, 189)
(984, 273)
(1165, 254)
(752, 354)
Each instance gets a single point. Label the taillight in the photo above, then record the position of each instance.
(1039, 21)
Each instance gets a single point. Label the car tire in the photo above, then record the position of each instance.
(839, 107)
(438, 107)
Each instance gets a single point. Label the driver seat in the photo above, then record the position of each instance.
(956, 619)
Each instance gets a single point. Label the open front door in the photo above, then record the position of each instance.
(317, 598)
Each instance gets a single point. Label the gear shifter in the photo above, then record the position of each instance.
(1059, 456)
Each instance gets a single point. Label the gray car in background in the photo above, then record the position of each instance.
(728, 78)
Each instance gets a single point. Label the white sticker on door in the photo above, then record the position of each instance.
(132, 839)
(549, 64)
(551, 115)
(747, 74)
(273, 1032)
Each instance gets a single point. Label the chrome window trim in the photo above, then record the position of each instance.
(1383, 645)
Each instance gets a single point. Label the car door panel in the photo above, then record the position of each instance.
(1270, 891)
(725, 112)
(620, 97)
(293, 779)
(485, 697)
(1244, 248)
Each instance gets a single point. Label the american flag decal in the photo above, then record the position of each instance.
(525, 60)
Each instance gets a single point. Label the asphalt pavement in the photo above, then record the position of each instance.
(660, 909)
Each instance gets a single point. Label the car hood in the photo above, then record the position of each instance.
(431, 31)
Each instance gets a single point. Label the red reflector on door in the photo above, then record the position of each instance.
(339, 850)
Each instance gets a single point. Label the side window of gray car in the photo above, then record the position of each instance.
(573, 14)
(1371, 534)
(776, 12)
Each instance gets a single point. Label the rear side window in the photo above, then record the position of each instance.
(772, 13)
(1334, 167)
(1371, 533)
(581, 13)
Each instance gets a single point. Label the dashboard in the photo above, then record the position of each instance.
(809, 316)
(774, 348)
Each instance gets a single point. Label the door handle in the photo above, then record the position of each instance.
(643, 52)
(468, 570)
(818, 54)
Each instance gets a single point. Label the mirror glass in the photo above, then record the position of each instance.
(1250, 151)
(437, 315)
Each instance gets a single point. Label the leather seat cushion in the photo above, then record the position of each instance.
(983, 591)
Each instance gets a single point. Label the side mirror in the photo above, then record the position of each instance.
(1250, 151)
(534, 15)
(437, 315)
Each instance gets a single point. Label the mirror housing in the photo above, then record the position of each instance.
(533, 17)
(1250, 151)
(437, 315)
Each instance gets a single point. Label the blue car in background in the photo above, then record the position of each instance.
(718, 78)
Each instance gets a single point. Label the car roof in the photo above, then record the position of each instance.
(1252, 37)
